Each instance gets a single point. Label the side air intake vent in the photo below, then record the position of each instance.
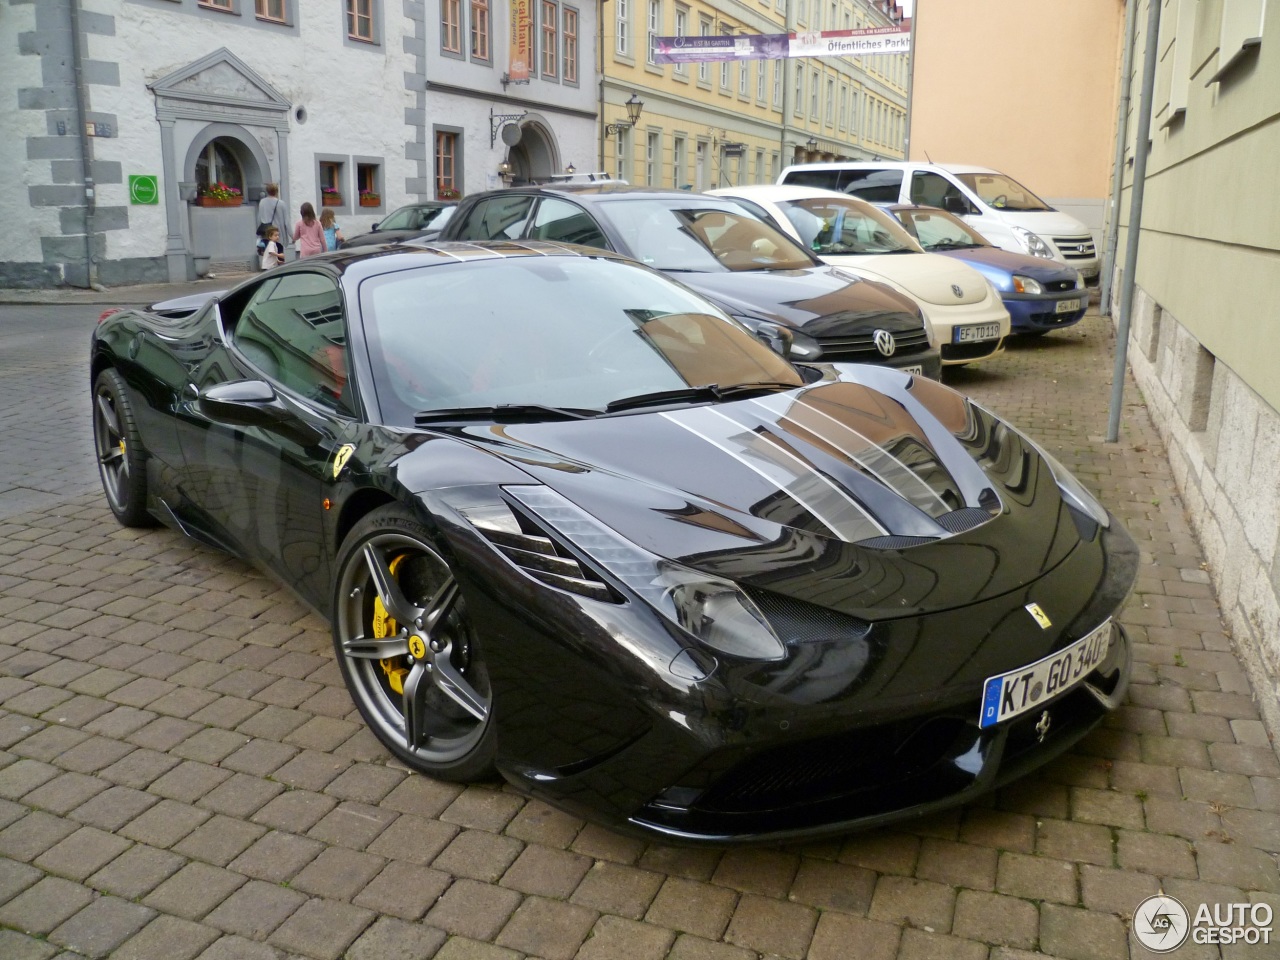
(958, 521)
(539, 556)
(895, 543)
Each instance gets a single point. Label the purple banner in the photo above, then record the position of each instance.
(770, 46)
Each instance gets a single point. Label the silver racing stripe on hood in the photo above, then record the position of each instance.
(857, 448)
(765, 455)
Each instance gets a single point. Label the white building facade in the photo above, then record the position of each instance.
(123, 116)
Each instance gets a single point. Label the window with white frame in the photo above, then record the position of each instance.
(798, 107)
(360, 20)
(451, 26)
(813, 95)
(480, 29)
(744, 77)
(550, 39)
(622, 27)
(679, 158)
(621, 146)
(270, 10)
(682, 29)
(652, 158)
(704, 68)
(724, 64)
(570, 36)
(655, 29)
(830, 106)
(844, 106)
(778, 67)
(762, 72)
(760, 171)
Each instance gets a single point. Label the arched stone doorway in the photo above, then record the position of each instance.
(536, 157)
(222, 231)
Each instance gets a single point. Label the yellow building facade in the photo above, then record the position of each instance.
(707, 125)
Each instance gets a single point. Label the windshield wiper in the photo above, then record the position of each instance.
(953, 245)
(707, 391)
(503, 411)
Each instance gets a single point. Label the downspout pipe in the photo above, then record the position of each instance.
(1117, 169)
(600, 124)
(1135, 215)
(86, 145)
(911, 79)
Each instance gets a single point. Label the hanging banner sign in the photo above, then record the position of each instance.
(776, 46)
(521, 41)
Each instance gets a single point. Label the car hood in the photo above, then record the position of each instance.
(871, 492)
(1047, 223)
(1000, 265)
(381, 236)
(821, 301)
(926, 276)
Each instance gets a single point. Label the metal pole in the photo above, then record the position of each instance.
(1135, 215)
(600, 123)
(911, 80)
(1117, 171)
(86, 147)
(784, 64)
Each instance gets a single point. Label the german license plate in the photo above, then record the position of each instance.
(1024, 689)
(915, 368)
(1067, 306)
(976, 331)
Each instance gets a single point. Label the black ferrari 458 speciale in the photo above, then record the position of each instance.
(573, 524)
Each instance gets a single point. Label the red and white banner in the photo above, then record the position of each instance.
(521, 41)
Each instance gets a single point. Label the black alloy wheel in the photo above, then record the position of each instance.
(121, 457)
(407, 650)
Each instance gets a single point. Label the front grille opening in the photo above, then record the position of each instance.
(863, 347)
(831, 767)
(797, 622)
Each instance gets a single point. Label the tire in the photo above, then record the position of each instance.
(418, 678)
(122, 460)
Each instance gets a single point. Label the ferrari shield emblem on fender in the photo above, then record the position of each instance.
(1039, 615)
(341, 457)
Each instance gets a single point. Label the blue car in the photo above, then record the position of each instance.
(1040, 295)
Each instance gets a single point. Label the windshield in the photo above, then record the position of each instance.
(1001, 192)
(679, 235)
(570, 332)
(842, 226)
(939, 229)
(411, 218)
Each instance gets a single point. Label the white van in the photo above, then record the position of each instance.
(997, 206)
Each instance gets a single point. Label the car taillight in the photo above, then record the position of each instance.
(108, 312)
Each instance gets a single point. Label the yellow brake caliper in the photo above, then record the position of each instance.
(384, 625)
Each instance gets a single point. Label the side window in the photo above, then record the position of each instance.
(933, 190)
(293, 330)
(501, 218)
(874, 186)
(566, 222)
(759, 212)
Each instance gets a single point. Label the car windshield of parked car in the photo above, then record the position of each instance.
(567, 332)
(675, 235)
(1001, 192)
(411, 218)
(841, 226)
(939, 230)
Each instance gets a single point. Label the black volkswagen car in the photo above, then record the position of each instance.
(713, 245)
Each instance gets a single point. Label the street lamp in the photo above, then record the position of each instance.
(634, 106)
(570, 169)
(812, 144)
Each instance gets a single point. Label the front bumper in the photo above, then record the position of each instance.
(1039, 313)
(948, 321)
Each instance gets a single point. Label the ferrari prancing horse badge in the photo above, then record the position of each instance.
(341, 457)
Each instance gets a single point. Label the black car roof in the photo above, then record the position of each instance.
(362, 262)
(602, 191)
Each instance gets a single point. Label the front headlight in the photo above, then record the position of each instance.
(929, 331)
(1034, 244)
(1026, 285)
(709, 608)
(1072, 490)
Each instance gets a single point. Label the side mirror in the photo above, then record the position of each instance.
(253, 403)
(777, 339)
(376, 225)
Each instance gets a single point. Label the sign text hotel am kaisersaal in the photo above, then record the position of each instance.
(777, 46)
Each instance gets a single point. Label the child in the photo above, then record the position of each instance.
(272, 252)
(332, 234)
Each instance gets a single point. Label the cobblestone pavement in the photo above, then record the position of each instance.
(182, 774)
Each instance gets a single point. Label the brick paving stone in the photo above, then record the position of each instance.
(695, 863)
(194, 890)
(422, 796)
(919, 902)
(1155, 854)
(482, 808)
(540, 823)
(240, 795)
(338, 873)
(1037, 797)
(691, 906)
(753, 870)
(688, 947)
(365, 783)
(259, 758)
(354, 825)
(189, 781)
(546, 871)
(272, 723)
(1214, 787)
(414, 839)
(926, 945)
(548, 928)
(219, 840)
(404, 890)
(17, 946)
(595, 841)
(1253, 826)
(995, 918)
(1143, 780)
(1106, 807)
(65, 793)
(618, 889)
(1037, 878)
(294, 810)
(1236, 865)
(463, 948)
(163, 733)
(102, 926)
(992, 828)
(26, 839)
(255, 909)
(42, 907)
(1115, 891)
(475, 910)
(1066, 840)
(613, 938)
(1076, 934)
(232, 947)
(310, 770)
(1181, 818)
(392, 939)
(1252, 761)
(20, 778)
(226, 712)
(167, 938)
(82, 853)
(210, 745)
(957, 864)
(837, 932)
(325, 733)
(478, 855)
(277, 856)
(16, 877)
(49, 743)
(833, 886)
(136, 872)
(164, 824)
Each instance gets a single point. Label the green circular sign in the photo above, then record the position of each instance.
(144, 188)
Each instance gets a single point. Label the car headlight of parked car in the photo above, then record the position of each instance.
(713, 610)
(1033, 243)
(1026, 285)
